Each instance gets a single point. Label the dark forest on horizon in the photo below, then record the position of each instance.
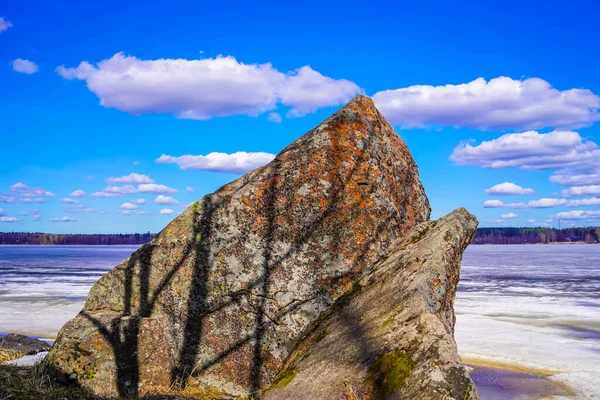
(483, 236)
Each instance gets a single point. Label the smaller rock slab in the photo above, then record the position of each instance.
(23, 344)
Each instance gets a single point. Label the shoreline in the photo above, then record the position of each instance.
(539, 382)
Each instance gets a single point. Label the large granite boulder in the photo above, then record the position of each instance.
(219, 298)
(392, 337)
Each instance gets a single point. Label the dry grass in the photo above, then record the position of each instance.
(32, 383)
(8, 355)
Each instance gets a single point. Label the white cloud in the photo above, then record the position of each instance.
(23, 190)
(307, 90)
(238, 163)
(531, 221)
(508, 188)
(4, 24)
(144, 213)
(274, 117)
(506, 217)
(160, 199)
(69, 200)
(63, 219)
(12, 200)
(500, 204)
(125, 212)
(128, 206)
(131, 178)
(36, 215)
(115, 191)
(531, 151)
(577, 178)
(24, 66)
(154, 188)
(592, 201)
(80, 208)
(136, 162)
(121, 190)
(77, 193)
(206, 88)
(581, 191)
(189, 189)
(546, 203)
(578, 214)
(139, 201)
(166, 211)
(105, 194)
(498, 104)
(2, 212)
(8, 219)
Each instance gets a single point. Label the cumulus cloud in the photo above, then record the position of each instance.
(506, 217)
(531, 221)
(577, 178)
(166, 211)
(307, 90)
(12, 200)
(274, 117)
(69, 200)
(139, 201)
(63, 219)
(237, 163)
(36, 215)
(23, 190)
(160, 199)
(531, 151)
(544, 203)
(189, 189)
(206, 88)
(81, 209)
(501, 103)
(106, 194)
(581, 191)
(154, 188)
(4, 24)
(578, 215)
(77, 193)
(501, 204)
(8, 219)
(131, 178)
(24, 66)
(125, 212)
(128, 206)
(115, 191)
(507, 189)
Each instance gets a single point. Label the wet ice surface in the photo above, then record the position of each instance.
(42, 287)
(533, 306)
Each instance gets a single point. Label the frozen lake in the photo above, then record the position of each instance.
(536, 307)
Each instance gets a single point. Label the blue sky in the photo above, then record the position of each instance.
(187, 78)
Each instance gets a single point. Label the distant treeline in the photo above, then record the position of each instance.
(483, 236)
(52, 238)
(536, 235)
